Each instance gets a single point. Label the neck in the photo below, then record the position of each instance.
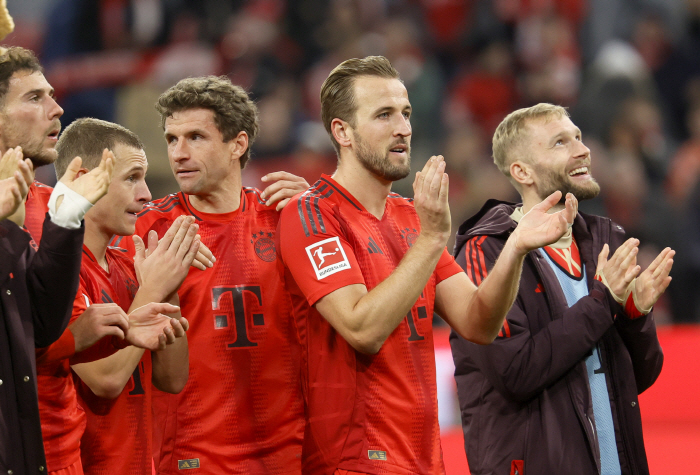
(531, 199)
(224, 199)
(367, 188)
(97, 241)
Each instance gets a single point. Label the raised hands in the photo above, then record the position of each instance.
(162, 267)
(92, 185)
(430, 191)
(16, 175)
(284, 185)
(539, 228)
(654, 280)
(150, 328)
(619, 272)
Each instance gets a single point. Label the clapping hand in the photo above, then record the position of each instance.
(92, 185)
(150, 328)
(539, 228)
(16, 175)
(654, 280)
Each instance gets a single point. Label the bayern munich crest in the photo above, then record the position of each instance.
(410, 235)
(264, 246)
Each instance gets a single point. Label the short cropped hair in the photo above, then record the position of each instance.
(338, 91)
(12, 60)
(509, 132)
(87, 138)
(234, 111)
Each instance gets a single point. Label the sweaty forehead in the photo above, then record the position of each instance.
(189, 119)
(372, 92)
(22, 81)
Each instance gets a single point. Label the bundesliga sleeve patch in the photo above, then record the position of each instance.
(327, 257)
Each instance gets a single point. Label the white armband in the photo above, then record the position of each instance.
(72, 209)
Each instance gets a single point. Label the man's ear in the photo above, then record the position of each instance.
(238, 145)
(341, 131)
(521, 172)
(81, 172)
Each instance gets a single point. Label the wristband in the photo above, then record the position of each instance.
(72, 209)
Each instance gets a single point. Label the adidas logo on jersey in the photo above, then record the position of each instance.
(373, 248)
(187, 464)
(376, 455)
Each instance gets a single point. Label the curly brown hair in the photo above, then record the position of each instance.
(338, 92)
(13, 59)
(234, 111)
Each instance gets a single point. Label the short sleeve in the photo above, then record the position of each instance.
(446, 267)
(316, 251)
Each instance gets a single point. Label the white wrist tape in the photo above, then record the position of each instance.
(72, 209)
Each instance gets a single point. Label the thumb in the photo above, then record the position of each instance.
(602, 259)
(72, 170)
(139, 247)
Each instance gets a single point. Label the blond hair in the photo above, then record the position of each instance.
(511, 131)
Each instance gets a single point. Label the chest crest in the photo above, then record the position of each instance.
(264, 246)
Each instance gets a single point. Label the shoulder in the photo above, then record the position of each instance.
(316, 200)
(170, 204)
(253, 201)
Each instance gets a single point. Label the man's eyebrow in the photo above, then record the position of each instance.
(38, 91)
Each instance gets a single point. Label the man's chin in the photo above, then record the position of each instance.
(42, 159)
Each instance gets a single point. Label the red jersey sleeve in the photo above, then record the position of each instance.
(104, 347)
(446, 267)
(320, 259)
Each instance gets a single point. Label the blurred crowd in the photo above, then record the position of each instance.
(629, 71)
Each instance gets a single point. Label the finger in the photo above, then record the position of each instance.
(170, 234)
(191, 240)
(169, 335)
(282, 204)
(418, 184)
(162, 342)
(72, 170)
(663, 255)
(184, 323)
(22, 188)
(163, 307)
(630, 258)
(430, 174)
(436, 181)
(206, 252)
(197, 263)
(113, 331)
(191, 253)
(571, 208)
(183, 234)
(444, 190)
(623, 251)
(27, 169)
(107, 164)
(281, 194)
(602, 258)
(178, 330)
(548, 202)
(139, 248)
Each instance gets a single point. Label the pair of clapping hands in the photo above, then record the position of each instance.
(17, 174)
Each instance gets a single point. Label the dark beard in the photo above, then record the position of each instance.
(380, 165)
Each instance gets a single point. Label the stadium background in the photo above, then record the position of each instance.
(629, 70)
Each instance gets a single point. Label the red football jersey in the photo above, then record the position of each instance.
(118, 436)
(367, 413)
(241, 411)
(63, 419)
(36, 207)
